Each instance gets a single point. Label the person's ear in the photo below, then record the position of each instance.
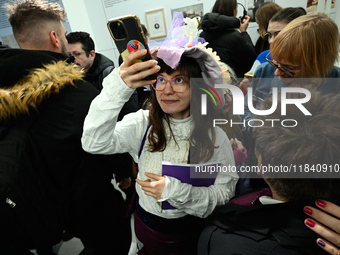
(92, 54)
(54, 39)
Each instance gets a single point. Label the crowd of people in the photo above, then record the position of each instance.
(71, 123)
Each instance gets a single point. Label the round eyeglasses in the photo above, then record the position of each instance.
(289, 73)
(178, 84)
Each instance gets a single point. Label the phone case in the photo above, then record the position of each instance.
(128, 35)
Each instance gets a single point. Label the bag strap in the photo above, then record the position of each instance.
(132, 204)
(143, 141)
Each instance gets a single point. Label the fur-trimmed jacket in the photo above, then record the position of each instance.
(43, 86)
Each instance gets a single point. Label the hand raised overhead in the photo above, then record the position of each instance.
(133, 73)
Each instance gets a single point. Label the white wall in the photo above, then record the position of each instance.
(98, 12)
(91, 16)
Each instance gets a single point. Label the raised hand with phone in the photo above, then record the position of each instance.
(133, 74)
(127, 33)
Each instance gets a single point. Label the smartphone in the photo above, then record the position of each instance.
(127, 33)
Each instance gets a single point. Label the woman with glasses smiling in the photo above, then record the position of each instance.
(169, 210)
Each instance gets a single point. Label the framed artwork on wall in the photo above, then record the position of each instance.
(320, 6)
(190, 11)
(155, 22)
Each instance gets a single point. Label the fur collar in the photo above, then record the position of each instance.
(39, 85)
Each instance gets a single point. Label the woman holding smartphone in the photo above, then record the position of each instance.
(169, 212)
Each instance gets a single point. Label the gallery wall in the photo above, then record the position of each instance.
(92, 15)
(98, 12)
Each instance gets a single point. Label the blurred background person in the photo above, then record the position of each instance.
(95, 65)
(227, 36)
(262, 17)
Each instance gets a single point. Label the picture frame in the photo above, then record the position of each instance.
(155, 21)
(190, 11)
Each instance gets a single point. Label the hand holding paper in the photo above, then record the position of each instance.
(154, 189)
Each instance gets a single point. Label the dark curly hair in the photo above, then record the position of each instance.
(84, 38)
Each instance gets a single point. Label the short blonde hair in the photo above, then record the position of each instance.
(31, 20)
(310, 42)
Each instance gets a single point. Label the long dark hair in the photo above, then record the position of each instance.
(225, 7)
(157, 139)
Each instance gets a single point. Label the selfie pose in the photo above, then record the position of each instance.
(169, 212)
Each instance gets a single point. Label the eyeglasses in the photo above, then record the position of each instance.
(178, 84)
(76, 54)
(289, 73)
(269, 35)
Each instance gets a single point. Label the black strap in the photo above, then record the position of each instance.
(143, 141)
(132, 204)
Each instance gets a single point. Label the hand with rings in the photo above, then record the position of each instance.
(326, 223)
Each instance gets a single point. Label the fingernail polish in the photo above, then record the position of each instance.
(321, 203)
(308, 210)
(321, 243)
(310, 223)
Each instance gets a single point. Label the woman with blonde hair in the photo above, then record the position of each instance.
(306, 48)
(280, 19)
(312, 48)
